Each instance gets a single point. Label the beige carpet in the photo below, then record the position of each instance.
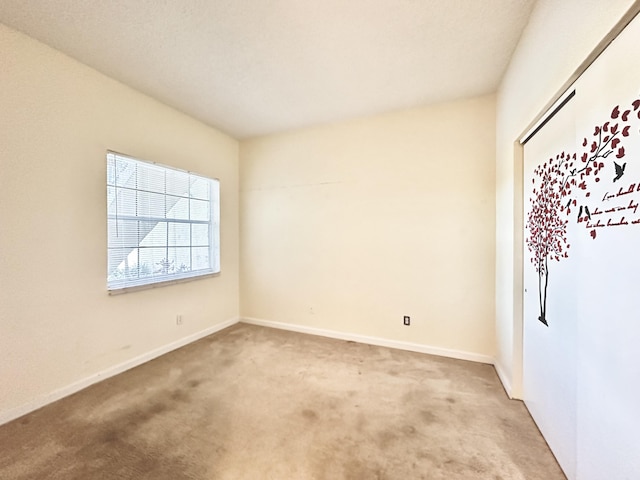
(257, 403)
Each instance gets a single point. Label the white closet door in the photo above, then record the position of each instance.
(549, 343)
(608, 288)
(581, 358)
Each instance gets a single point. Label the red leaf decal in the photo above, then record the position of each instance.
(615, 112)
(625, 115)
(625, 131)
(593, 233)
(584, 157)
(614, 129)
(594, 147)
(620, 152)
(615, 142)
(636, 104)
(605, 127)
(597, 131)
(584, 142)
(597, 179)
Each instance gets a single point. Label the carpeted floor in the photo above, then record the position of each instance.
(257, 403)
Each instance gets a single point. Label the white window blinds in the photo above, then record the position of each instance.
(163, 223)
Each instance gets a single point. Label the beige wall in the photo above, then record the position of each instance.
(57, 323)
(351, 226)
(558, 38)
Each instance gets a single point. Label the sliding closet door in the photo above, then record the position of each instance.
(581, 360)
(608, 289)
(550, 270)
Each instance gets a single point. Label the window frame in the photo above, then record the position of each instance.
(118, 218)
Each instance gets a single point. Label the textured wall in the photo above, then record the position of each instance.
(58, 323)
(351, 226)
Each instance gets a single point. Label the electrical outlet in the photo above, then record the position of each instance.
(178, 319)
(407, 320)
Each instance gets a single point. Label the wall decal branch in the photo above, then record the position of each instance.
(564, 183)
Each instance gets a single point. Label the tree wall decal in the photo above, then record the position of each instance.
(547, 227)
(561, 184)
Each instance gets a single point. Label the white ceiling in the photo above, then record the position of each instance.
(254, 67)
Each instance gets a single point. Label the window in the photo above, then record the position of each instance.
(163, 223)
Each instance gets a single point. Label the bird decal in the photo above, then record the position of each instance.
(580, 213)
(619, 170)
(586, 210)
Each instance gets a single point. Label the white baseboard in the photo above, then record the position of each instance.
(51, 397)
(381, 342)
(503, 378)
